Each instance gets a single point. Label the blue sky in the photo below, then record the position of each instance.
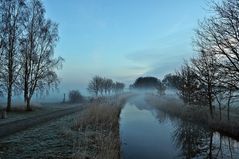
(123, 39)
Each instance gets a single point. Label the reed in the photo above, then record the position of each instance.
(98, 126)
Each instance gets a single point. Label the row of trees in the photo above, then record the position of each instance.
(213, 76)
(27, 41)
(104, 86)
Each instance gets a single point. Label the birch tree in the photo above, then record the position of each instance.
(39, 65)
(12, 18)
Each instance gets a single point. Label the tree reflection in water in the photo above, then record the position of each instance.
(190, 139)
(195, 141)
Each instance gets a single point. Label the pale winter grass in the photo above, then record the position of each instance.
(199, 114)
(98, 127)
(91, 133)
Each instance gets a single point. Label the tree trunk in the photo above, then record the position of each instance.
(28, 104)
(228, 105)
(220, 106)
(64, 99)
(210, 104)
(209, 94)
(211, 109)
(220, 111)
(228, 108)
(9, 98)
(10, 83)
(25, 89)
(210, 146)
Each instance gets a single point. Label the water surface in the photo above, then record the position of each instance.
(147, 133)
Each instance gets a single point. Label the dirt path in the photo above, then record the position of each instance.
(16, 126)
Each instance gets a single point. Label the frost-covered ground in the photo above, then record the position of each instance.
(90, 133)
(49, 140)
(19, 112)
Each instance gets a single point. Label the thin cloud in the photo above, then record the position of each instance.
(158, 62)
(144, 56)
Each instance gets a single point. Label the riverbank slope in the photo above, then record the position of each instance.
(197, 114)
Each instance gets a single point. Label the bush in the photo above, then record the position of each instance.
(75, 96)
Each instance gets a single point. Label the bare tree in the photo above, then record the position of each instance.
(1, 62)
(12, 17)
(101, 85)
(104, 85)
(225, 33)
(107, 85)
(189, 88)
(205, 66)
(219, 35)
(118, 87)
(94, 85)
(171, 81)
(37, 53)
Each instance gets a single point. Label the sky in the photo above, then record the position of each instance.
(123, 39)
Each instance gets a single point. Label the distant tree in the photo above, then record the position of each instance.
(171, 81)
(75, 96)
(12, 19)
(161, 88)
(104, 86)
(64, 98)
(95, 85)
(107, 85)
(118, 87)
(146, 83)
(149, 83)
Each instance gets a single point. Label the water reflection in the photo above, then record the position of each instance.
(197, 142)
(192, 140)
(149, 133)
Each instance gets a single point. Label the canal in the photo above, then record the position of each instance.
(147, 133)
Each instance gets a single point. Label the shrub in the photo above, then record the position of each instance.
(75, 96)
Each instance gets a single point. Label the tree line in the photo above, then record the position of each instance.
(104, 86)
(27, 42)
(212, 77)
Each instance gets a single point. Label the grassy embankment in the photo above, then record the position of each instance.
(98, 126)
(197, 114)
